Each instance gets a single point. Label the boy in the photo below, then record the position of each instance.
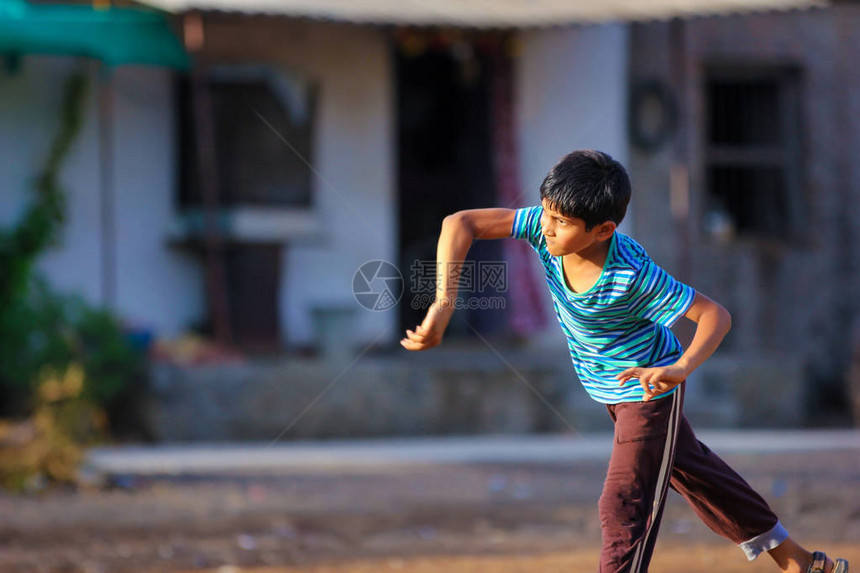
(615, 307)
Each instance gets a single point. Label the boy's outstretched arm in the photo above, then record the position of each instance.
(459, 230)
(714, 323)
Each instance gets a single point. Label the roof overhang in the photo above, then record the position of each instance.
(483, 13)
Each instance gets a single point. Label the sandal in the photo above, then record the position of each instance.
(819, 559)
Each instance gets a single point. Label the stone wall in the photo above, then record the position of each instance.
(793, 301)
(470, 391)
(464, 393)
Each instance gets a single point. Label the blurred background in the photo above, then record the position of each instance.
(199, 197)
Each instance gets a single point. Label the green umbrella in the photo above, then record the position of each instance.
(115, 36)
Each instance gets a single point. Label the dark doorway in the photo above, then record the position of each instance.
(445, 165)
(253, 283)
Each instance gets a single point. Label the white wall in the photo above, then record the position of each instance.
(571, 94)
(156, 286)
(155, 283)
(357, 207)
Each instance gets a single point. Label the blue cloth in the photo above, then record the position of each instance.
(622, 321)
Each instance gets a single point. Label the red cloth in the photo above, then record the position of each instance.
(526, 310)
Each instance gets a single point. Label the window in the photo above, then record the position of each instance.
(753, 162)
(262, 122)
(261, 127)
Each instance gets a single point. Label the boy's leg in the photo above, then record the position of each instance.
(721, 497)
(637, 481)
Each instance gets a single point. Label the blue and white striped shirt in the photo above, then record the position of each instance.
(622, 321)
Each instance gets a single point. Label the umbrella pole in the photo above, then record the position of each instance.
(106, 185)
(207, 169)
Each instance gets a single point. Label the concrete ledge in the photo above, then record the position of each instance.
(404, 452)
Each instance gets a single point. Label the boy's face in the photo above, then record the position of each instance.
(566, 235)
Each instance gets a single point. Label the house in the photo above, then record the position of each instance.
(336, 134)
(758, 173)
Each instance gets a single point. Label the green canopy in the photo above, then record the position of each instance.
(113, 35)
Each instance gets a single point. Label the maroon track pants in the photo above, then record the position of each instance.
(654, 449)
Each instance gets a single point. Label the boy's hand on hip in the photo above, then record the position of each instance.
(429, 333)
(655, 381)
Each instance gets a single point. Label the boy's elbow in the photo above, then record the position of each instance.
(460, 219)
(726, 317)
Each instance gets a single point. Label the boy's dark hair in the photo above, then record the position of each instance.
(588, 185)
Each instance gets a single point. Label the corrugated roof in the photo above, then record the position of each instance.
(483, 13)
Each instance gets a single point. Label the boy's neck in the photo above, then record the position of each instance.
(582, 270)
(593, 255)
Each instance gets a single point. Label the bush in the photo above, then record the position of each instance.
(48, 330)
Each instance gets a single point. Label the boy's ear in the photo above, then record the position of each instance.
(605, 230)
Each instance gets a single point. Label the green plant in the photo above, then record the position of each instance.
(38, 327)
(50, 330)
(62, 360)
(31, 334)
(38, 227)
(109, 359)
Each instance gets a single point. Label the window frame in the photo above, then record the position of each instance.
(787, 155)
(253, 222)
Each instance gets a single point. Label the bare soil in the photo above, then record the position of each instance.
(452, 518)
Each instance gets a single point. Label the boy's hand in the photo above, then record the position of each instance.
(429, 333)
(654, 381)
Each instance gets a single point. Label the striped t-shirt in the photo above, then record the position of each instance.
(622, 321)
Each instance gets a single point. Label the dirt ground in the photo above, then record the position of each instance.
(452, 518)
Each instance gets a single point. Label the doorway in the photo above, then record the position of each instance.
(445, 152)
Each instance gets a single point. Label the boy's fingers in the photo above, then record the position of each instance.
(627, 375)
(411, 345)
(414, 341)
(414, 336)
